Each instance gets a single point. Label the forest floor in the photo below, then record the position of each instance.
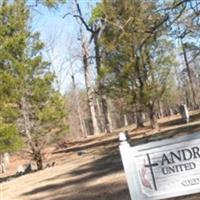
(88, 169)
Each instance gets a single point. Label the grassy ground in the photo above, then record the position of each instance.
(90, 169)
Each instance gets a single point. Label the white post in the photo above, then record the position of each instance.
(127, 160)
(187, 116)
(123, 139)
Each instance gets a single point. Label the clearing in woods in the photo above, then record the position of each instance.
(89, 169)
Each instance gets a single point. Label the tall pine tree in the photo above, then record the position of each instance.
(31, 106)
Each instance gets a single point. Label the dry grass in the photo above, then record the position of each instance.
(96, 174)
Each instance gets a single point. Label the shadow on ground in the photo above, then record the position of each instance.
(83, 178)
(87, 146)
(14, 176)
(85, 182)
(98, 192)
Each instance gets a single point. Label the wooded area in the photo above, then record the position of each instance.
(146, 60)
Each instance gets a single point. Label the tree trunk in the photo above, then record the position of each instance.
(152, 117)
(94, 30)
(171, 112)
(38, 159)
(94, 118)
(104, 106)
(97, 51)
(110, 120)
(99, 114)
(26, 120)
(160, 107)
(125, 120)
(90, 91)
(139, 119)
(189, 74)
(37, 156)
(27, 123)
(81, 123)
(107, 128)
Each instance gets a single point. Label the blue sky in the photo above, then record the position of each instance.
(60, 37)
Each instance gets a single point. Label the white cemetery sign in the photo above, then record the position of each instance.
(162, 169)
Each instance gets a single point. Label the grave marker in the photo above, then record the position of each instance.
(4, 161)
(184, 113)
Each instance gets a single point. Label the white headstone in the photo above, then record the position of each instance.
(184, 113)
(162, 169)
(25, 168)
(6, 158)
(5, 161)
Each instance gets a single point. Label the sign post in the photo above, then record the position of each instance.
(162, 169)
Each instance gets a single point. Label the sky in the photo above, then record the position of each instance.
(60, 37)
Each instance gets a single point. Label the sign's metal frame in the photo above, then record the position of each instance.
(128, 154)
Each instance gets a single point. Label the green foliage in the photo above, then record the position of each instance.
(53, 3)
(137, 63)
(29, 106)
(97, 14)
(52, 111)
(9, 138)
(13, 18)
